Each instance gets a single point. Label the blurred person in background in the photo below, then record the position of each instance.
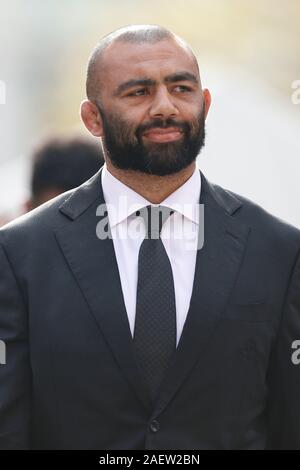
(59, 163)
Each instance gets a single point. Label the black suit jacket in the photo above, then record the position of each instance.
(71, 380)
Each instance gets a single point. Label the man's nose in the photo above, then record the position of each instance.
(162, 105)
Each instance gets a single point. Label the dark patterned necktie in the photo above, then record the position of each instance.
(155, 322)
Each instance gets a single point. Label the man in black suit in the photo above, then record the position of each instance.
(144, 342)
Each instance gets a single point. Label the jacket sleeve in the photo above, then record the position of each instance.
(15, 371)
(284, 374)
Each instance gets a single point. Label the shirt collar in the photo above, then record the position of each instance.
(122, 201)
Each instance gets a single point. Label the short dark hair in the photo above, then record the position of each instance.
(64, 163)
(135, 34)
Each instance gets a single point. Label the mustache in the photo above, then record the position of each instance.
(163, 124)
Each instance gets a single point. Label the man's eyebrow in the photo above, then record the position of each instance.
(132, 83)
(174, 77)
(181, 77)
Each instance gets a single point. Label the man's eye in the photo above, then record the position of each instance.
(140, 92)
(182, 88)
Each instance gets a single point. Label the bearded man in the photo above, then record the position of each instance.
(149, 308)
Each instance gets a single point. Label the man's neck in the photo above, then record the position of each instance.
(152, 187)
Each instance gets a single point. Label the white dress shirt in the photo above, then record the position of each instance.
(179, 235)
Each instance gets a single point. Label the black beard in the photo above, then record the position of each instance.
(126, 150)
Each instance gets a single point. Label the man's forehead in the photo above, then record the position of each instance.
(122, 57)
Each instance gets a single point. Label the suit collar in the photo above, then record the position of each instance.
(83, 196)
(221, 197)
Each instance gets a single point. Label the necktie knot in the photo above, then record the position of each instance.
(154, 219)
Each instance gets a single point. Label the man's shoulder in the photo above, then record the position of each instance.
(37, 221)
(250, 213)
(52, 214)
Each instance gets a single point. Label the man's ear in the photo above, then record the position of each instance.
(91, 118)
(207, 100)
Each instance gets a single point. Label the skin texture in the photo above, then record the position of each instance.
(141, 104)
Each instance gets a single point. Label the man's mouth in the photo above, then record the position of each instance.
(169, 134)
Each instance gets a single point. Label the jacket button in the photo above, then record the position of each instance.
(154, 426)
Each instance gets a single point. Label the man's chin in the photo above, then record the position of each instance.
(164, 167)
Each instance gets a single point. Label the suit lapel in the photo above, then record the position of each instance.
(95, 269)
(217, 267)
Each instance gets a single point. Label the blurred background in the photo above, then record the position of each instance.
(249, 57)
